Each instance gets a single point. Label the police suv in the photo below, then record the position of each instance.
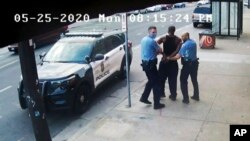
(75, 67)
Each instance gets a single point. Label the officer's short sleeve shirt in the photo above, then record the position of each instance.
(149, 48)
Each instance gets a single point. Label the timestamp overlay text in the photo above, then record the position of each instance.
(71, 18)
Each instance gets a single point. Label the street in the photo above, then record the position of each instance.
(15, 124)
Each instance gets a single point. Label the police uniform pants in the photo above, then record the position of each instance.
(189, 68)
(168, 70)
(153, 82)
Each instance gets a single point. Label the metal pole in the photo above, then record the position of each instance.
(125, 28)
(238, 20)
(34, 99)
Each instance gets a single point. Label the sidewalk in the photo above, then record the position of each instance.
(224, 80)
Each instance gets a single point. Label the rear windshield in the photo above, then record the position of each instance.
(202, 10)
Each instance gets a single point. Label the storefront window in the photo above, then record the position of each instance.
(224, 18)
(227, 17)
(215, 17)
(233, 18)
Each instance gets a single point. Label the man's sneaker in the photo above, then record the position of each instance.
(159, 106)
(145, 101)
(172, 97)
(186, 101)
(195, 98)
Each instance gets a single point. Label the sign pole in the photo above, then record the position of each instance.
(34, 98)
(125, 29)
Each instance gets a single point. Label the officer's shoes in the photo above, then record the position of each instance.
(145, 101)
(195, 98)
(186, 101)
(172, 97)
(159, 106)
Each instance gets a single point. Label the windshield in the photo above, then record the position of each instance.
(65, 51)
(203, 10)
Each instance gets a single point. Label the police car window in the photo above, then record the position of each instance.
(122, 37)
(99, 48)
(112, 42)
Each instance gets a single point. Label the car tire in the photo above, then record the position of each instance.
(22, 97)
(195, 24)
(81, 103)
(122, 73)
(209, 25)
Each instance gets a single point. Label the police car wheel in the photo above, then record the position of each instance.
(21, 95)
(82, 100)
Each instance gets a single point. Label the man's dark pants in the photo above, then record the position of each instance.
(151, 71)
(168, 70)
(189, 68)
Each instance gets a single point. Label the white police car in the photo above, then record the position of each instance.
(76, 65)
(202, 15)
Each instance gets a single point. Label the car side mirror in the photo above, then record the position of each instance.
(41, 56)
(99, 57)
(87, 58)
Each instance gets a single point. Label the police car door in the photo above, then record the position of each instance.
(115, 53)
(100, 71)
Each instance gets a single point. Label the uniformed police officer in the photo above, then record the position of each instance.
(169, 69)
(149, 51)
(188, 54)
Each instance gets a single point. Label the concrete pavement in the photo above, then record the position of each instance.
(224, 80)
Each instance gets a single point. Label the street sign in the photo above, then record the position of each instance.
(124, 22)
